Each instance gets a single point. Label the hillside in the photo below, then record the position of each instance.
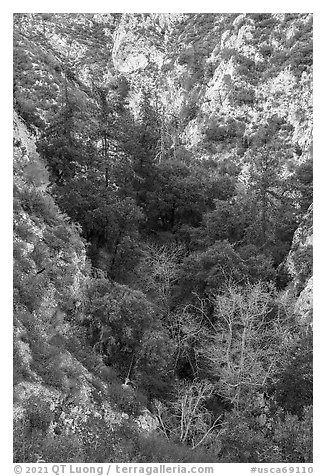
(163, 237)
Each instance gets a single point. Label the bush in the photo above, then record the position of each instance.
(156, 449)
(39, 414)
(122, 315)
(154, 373)
(60, 448)
(209, 270)
(30, 446)
(41, 205)
(293, 389)
(127, 400)
(294, 437)
(284, 439)
(243, 441)
(26, 109)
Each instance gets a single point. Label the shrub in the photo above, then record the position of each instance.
(154, 371)
(41, 205)
(156, 449)
(39, 414)
(293, 389)
(29, 447)
(243, 441)
(284, 439)
(211, 269)
(294, 437)
(127, 400)
(122, 315)
(60, 448)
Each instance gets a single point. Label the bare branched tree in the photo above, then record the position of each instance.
(160, 267)
(243, 345)
(187, 418)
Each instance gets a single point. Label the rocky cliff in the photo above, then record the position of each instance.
(232, 73)
(62, 390)
(299, 266)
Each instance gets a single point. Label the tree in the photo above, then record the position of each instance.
(206, 271)
(60, 148)
(85, 148)
(242, 343)
(144, 148)
(158, 273)
(154, 369)
(227, 221)
(186, 418)
(293, 383)
(181, 192)
(118, 319)
(64, 143)
(302, 183)
(113, 125)
(273, 212)
(109, 222)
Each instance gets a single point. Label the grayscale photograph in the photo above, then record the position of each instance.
(162, 243)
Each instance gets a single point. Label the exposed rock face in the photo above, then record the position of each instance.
(131, 51)
(304, 305)
(299, 260)
(234, 70)
(221, 85)
(299, 266)
(67, 394)
(22, 135)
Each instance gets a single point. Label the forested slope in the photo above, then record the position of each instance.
(163, 237)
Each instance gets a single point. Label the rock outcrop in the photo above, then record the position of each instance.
(299, 260)
(59, 388)
(235, 72)
(298, 265)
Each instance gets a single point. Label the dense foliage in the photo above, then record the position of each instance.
(148, 269)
